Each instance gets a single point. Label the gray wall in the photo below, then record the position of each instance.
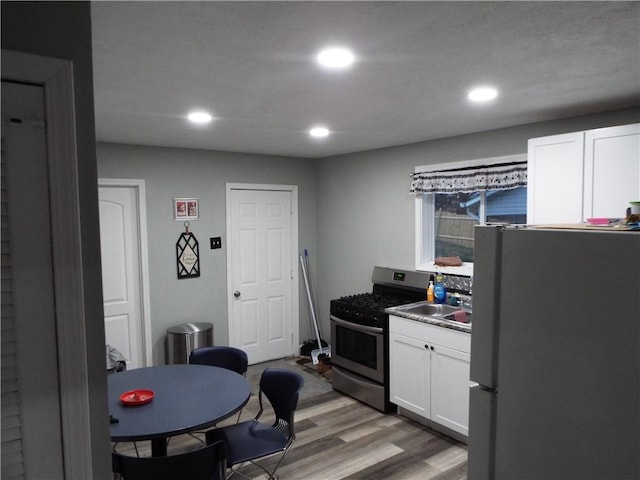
(355, 212)
(170, 173)
(63, 30)
(366, 215)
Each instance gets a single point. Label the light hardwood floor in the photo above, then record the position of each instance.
(338, 437)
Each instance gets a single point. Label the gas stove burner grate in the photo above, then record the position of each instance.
(366, 308)
(372, 301)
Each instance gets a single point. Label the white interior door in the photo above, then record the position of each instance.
(121, 267)
(261, 272)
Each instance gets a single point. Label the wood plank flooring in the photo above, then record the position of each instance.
(339, 438)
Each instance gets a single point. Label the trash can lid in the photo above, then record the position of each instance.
(187, 328)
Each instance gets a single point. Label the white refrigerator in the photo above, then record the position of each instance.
(555, 353)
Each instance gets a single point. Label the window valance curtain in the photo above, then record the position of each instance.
(468, 180)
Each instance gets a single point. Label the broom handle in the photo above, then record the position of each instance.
(311, 287)
(311, 307)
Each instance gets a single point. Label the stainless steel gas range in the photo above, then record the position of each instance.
(359, 334)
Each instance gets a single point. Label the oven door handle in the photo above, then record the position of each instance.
(356, 326)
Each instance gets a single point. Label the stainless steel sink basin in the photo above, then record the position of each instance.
(441, 312)
(451, 318)
(429, 309)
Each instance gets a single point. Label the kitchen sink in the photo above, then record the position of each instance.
(442, 312)
(451, 318)
(429, 309)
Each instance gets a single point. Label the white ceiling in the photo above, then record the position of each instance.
(251, 64)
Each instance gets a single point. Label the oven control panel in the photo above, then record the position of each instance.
(399, 276)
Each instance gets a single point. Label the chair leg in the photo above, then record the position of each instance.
(271, 474)
(232, 472)
(196, 437)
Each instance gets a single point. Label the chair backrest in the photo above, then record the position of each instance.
(281, 387)
(207, 463)
(226, 357)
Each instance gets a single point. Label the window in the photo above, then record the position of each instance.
(452, 198)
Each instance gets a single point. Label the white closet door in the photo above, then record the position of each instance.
(261, 273)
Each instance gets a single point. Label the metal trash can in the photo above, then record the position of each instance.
(182, 339)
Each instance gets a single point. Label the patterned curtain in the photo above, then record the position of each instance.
(468, 180)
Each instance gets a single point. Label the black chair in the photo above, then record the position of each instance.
(206, 463)
(251, 440)
(226, 357)
(230, 358)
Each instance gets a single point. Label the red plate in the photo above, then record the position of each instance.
(136, 397)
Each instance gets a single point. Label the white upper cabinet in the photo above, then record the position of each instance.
(611, 170)
(555, 167)
(575, 176)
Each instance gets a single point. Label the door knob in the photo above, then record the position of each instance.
(236, 294)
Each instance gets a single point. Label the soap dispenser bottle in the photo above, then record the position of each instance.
(439, 290)
(430, 292)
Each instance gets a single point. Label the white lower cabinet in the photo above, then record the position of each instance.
(450, 388)
(410, 374)
(429, 372)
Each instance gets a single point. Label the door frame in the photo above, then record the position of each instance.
(295, 299)
(143, 269)
(76, 401)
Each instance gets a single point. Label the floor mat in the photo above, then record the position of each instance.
(315, 383)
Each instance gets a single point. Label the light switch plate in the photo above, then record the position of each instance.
(215, 242)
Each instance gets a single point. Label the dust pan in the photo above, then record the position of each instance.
(316, 353)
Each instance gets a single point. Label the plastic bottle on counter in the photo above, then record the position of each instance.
(430, 292)
(439, 290)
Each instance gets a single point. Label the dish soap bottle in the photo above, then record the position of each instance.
(439, 290)
(430, 292)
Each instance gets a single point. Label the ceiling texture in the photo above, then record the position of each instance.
(251, 64)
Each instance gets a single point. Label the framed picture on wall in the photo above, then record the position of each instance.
(185, 209)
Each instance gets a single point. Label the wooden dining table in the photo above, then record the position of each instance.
(186, 398)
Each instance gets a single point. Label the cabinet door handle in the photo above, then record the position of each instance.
(432, 347)
(426, 346)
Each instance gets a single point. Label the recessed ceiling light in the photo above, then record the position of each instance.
(482, 94)
(199, 117)
(319, 132)
(335, 58)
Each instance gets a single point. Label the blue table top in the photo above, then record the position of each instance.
(187, 398)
